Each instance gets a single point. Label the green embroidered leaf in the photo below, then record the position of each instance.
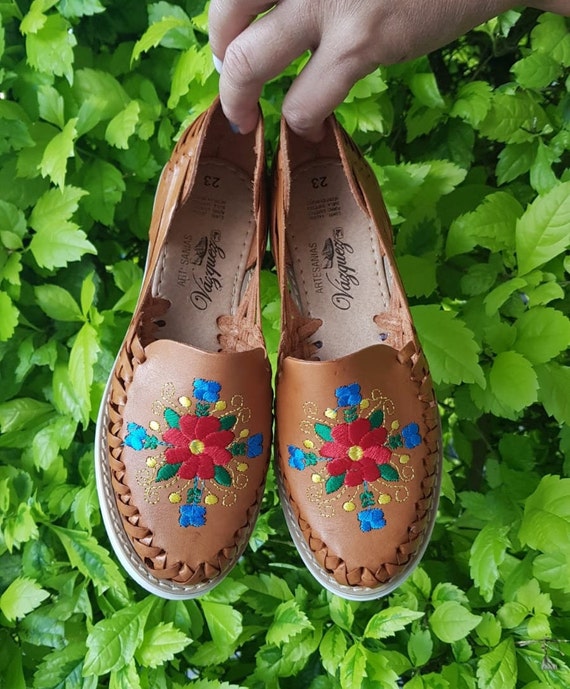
(350, 414)
(203, 409)
(222, 476)
(151, 442)
(238, 449)
(334, 483)
(367, 499)
(167, 471)
(228, 422)
(311, 459)
(194, 495)
(376, 418)
(395, 441)
(172, 418)
(388, 472)
(324, 432)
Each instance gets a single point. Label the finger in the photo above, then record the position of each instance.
(322, 85)
(260, 53)
(228, 18)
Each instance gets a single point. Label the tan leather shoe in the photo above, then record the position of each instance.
(358, 431)
(184, 430)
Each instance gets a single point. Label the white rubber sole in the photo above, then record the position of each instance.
(327, 581)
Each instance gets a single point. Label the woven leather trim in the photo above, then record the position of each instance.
(412, 357)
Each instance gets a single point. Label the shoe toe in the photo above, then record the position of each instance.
(359, 465)
(188, 434)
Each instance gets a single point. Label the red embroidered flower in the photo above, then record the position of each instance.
(357, 450)
(200, 444)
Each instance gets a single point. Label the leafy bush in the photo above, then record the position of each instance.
(471, 148)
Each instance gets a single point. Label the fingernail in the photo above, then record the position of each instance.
(218, 64)
(234, 128)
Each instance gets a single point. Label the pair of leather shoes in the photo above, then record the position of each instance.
(185, 428)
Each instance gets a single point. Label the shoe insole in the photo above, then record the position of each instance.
(339, 273)
(202, 267)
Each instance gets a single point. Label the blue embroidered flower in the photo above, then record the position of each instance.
(411, 435)
(255, 445)
(296, 458)
(371, 519)
(136, 436)
(207, 390)
(348, 395)
(192, 515)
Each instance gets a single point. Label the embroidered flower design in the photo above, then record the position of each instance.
(201, 453)
(357, 448)
(199, 445)
(371, 519)
(356, 451)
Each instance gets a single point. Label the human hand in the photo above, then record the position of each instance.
(347, 38)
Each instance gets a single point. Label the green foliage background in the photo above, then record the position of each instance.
(471, 147)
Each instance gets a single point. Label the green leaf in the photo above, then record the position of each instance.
(425, 89)
(420, 647)
(57, 303)
(515, 160)
(418, 274)
(9, 316)
(228, 422)
(58, 241)
(21, 597)
(126, 677)
(62, 667)
(550, 37)
(498, 668)
(59, 149)
(488, 552)
(491, 225)
(542, 231)
(324, 432)
(333, 647)
(376, 418)
(123, 126)
(389, 621)
(341, 612)
(497, 297)
(451, 621)
(554, 569)
(224, 622)
(554, 383)
(105, 186)
(160, 644)
(449, 346)
(542, 333)
(80, 8)
(353, 667)
(51, 105)
(513, 118)
(472, 102)
(192, 65)
(50, 48)
(172, 418)
(289, 621)
(334, 483)
(21, 413)
(112, 642)
(388, 472)
(92, 560)
(12, 225)
(222, 476)
(513, 381)
(167, 471)
(546, 520)
(82, 358)
(536, 70)
(156, 33)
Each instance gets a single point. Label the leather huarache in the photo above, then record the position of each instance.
(358, 431)
(184, 429)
